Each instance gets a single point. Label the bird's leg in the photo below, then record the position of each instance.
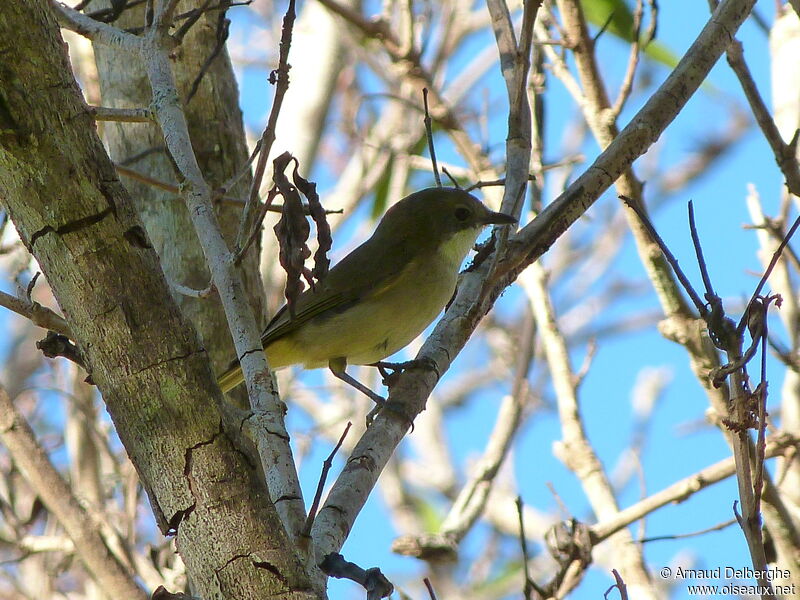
(337, 367)
(390, 378)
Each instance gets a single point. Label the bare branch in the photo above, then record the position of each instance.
(785, 154)
(633, 61)
(321, 483)
(32, 460)
(684, 489)
(38, 314)
(429, 133)
(100, 33)
(122, 115)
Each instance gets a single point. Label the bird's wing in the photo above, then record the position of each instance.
(367, 270)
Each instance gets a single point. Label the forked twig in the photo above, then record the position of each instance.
(648, 225)
(326, 466)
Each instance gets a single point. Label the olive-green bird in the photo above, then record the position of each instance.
(383, 294)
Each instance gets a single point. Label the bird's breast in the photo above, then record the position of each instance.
(399, 312)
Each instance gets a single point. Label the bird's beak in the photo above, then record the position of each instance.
(497, 218)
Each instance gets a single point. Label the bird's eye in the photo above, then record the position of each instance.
(462, 213)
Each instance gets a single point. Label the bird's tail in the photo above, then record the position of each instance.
(231, 377)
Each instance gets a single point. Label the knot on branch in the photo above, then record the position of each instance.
(55, 344)
(568, 541)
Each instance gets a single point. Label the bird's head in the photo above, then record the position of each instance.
(445, 221)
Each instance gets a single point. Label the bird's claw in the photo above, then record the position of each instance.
(391, 371)
(376, 409)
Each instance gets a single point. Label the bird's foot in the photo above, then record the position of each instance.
(392, 371)
(380, 403)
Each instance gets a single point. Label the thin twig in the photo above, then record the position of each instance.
(523, 542)
(759, 329)
(146, 179)
(256, 231)
(775, 231)
(698, 302)
(280, 78)
(223, 28)
(110, 14)
(326, 466)
(785, 154)
(701, 261)
(602, 29)
(31, 285)
(134, 158)
(633, 61)
(190, 19)
(243, 170)
(775, 256)
(450, 177)
(691, 534)
(494, 183)
(429, 586)
(620, 585)
(652, 28)
(429, 133)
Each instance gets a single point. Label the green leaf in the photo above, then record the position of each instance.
(430, 515)
(381, 200)
(619, 19)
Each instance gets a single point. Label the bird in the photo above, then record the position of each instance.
(384, 293)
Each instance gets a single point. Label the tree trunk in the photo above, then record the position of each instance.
(73, 214)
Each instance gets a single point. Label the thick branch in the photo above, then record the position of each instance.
(276, 455)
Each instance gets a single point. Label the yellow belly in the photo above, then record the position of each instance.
(377, 327)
